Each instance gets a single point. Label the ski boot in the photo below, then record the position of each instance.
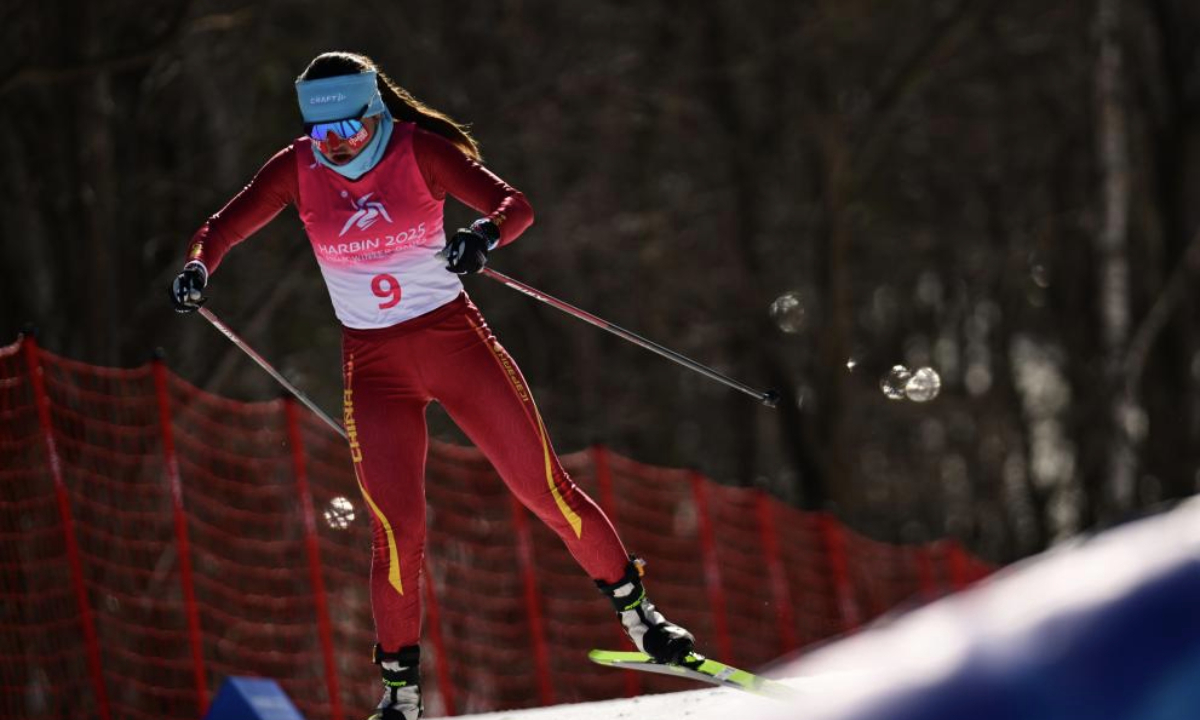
(401, 684)
(663, 641)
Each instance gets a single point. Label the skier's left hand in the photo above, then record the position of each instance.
(467, 251)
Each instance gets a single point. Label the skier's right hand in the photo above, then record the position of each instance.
(187, 290)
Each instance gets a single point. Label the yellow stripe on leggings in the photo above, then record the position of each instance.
(356, 454)
(524, 395)
(393, 554)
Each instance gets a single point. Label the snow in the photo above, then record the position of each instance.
(666, 706)
(706, 704)
(1100, 628)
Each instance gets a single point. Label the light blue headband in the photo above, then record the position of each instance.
(339, 97)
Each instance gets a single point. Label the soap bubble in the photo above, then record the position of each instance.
(788, 312)
(893, 383)
(340, 513)
(923, 386)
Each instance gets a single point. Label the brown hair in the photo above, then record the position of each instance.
(399, 101)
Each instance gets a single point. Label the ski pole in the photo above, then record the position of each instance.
(770, 398)
(233, 337)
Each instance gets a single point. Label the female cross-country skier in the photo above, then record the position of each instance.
(368, 179)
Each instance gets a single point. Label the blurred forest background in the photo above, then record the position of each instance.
(800, 193)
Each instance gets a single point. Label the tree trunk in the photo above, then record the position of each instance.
(1113, 262)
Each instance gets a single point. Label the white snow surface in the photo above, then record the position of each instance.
(693, 704)
(706, 704)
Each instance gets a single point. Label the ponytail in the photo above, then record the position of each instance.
(399, 101)
(404, 106)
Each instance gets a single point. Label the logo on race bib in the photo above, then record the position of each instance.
(366, 213)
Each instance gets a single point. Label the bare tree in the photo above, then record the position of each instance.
(1126, 415)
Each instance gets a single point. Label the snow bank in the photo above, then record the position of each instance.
(692, 705)
(1103, 628)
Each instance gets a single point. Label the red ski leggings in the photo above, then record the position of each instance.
(451, 356)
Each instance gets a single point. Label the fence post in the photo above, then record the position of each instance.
(712, 571)
(780, 592)
(835, 549)
(186, 577)
(433, 619)
(925, 578)
(86, 616)
(533, 604)
(313, 550)
(956, 561)
(604, 483)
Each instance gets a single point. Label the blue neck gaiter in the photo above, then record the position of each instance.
(341, 97)
(368, 157)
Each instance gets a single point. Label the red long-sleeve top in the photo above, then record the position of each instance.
(445, 168)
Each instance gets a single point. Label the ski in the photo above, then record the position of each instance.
(696, 667)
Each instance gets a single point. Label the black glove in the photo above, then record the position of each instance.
(187, 291)
(467, 251)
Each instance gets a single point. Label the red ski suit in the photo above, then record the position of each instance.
(410, 336)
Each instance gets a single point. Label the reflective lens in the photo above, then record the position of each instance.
(345, 129)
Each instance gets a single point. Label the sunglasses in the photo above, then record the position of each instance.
(345, 129)
(351, 130)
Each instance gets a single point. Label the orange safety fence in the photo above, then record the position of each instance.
(155, 539)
